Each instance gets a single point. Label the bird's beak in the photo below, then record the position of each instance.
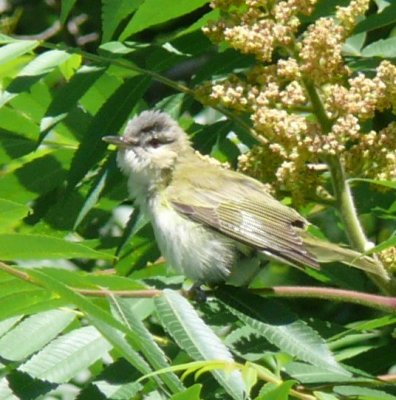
(118, 141)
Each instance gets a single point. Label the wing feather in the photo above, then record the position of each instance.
(257, 220)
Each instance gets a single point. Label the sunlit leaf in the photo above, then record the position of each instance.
(29, 247)
(191, 333)
(67, 355)
(147, 14)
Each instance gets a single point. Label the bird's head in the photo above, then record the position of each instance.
(150, 146)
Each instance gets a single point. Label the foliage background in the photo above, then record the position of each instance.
(74, 71)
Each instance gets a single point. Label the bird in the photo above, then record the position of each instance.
(211, 223)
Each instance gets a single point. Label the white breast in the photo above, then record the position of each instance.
(193, 250)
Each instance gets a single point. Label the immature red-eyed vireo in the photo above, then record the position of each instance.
(207, 219)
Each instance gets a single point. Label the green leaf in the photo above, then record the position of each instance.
(119, 391)
(16, 121)
(67, 355)
(15, 49)
(270, 391)
(309, 374)
(4, 39)
(192, 393)
(373, 323)
(363, 393)
(196, 338)
(45, 63)
(147, 14)
(388, 184)
(376, 21)
(30, 247)
(28, 301)
(282, 329)
(391, 242)
(11, 213)
(8, 323)
(325, 396)
(384, 48)
(109, 120)
(68, 95)
(33, 333)
(41, 65)
(353, 44)
(96, 190)
(5, 391)
(113, 12)
(122, 310)
(66, 7)
(212, 15)
(109, 327)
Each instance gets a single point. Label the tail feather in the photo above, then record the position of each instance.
(326, 252)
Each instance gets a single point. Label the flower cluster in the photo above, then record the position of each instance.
(320, 51)
(306, 104)
(347, 16)
(388, 258)
(256, 27)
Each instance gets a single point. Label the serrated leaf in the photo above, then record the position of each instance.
(110, 328)
(30, 247)
(384, 48)
(119, 392)
(33, 333)
(7, 324)
(363, 393)
(282, 328)
(11, 213)
(147, 14)
(122, 310)
(196, 338)
(15, 49)
(305, 373)
(67, 355)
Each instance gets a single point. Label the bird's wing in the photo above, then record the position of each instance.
(242, 210)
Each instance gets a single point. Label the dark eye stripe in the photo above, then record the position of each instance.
(154, 142)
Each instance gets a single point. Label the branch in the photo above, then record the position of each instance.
(383, 303)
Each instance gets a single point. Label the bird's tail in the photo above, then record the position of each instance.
(326, 252)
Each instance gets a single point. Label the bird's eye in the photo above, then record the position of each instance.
(154, 142)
